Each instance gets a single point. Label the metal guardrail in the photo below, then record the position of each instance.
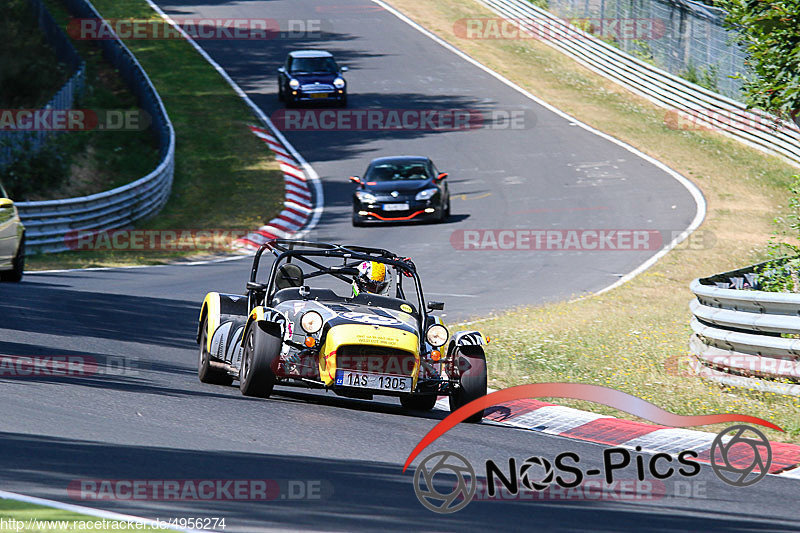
(48, 223)
(11, 142)
(744, 337)
(706, 108)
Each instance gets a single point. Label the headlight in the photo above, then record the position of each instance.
(338, 83)
(437, 335)
(366, 197)
(311, 322)
(294, 84)
(427, 194)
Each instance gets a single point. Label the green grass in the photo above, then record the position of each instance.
(49, 519)
(225, 177)
(630, 338)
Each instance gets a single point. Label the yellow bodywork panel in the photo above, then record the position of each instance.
(211, 307)
(364, 335)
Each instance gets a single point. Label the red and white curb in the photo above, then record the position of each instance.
(601, 429)
(298, 203)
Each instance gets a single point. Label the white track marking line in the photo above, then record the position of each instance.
(313, 177)
(90, 511)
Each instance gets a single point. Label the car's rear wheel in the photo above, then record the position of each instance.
(471, 362)
(17, 264)
(205, 371)
(418, 403)
(261, 349)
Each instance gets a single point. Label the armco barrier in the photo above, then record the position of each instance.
(48, 222)
(662, 88)
(745, 337)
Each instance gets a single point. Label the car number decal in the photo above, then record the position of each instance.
(367, 318)
(407, 308)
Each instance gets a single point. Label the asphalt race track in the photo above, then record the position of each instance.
(143, 414)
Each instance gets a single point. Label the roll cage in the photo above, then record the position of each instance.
(351, 255)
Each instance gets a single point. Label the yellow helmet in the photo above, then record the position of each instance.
(372, 277)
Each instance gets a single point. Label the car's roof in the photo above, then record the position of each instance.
(310, 53)
(400, 159)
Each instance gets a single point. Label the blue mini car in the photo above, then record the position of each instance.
(311, 76)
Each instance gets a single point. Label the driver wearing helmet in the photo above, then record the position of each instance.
(372, 277)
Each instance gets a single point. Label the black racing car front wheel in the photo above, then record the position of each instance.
(471, 364)
(357, 220)
(418, 403)
(261, 350)
(205, 371)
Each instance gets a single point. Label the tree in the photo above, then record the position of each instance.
(770, 32)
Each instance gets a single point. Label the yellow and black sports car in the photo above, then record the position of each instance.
(309, 322)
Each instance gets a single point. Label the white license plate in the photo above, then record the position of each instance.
(395, 207)
(366, 380)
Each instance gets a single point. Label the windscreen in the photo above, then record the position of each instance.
(397, 172)
(314, 65)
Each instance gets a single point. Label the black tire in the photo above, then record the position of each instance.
(260, 351)
(357, 222)
(418, 403)
(281, 96)
(343, 101)
(447, 209)
(472, 362)
(205, 371)
(17, 264)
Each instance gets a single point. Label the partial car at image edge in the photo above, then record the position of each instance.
(12, 240)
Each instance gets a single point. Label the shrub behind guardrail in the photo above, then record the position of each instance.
(11, 142)
(48, 222)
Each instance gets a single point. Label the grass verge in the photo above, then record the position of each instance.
(630, 338)
(18, 516)
(225, 178)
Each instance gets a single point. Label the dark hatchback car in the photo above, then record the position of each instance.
(399, 189)
(311, 76)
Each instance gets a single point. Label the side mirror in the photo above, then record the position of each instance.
(441, 176)
(344, 69)
(356, 180)
(435, 306)
(6, 203)
(281, 70)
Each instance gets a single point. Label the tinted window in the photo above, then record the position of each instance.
(311, 65)
(397, 171)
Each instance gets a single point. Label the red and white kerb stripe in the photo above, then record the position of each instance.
(297, 203)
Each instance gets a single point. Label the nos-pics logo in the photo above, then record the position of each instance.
(740, 456)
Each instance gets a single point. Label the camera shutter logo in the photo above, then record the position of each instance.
(733, 472)
(450, 463)
(542, 463)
